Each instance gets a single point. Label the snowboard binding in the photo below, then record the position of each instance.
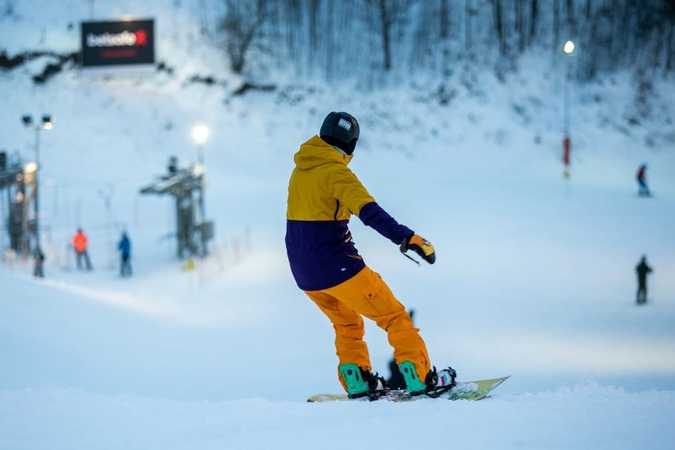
(445, 380)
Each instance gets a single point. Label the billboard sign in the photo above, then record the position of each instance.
(126, 43)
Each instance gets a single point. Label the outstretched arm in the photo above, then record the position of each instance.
(378, 219)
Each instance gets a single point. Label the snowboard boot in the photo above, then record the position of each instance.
(413, 384)
(434, 384)
(362, 383)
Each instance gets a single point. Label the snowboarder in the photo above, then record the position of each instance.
(642, 270)
(323, 193)
(643, 189)
(80, 244)
(124, 247)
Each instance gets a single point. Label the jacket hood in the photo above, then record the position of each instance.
(316, 152)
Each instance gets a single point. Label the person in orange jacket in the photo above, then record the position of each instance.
(323, 193)
(80, 244)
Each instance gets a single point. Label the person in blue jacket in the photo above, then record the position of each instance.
(124, 248)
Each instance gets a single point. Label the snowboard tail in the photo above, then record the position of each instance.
(467, 390)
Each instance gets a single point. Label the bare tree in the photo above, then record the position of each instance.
(468, 27)
(569, 13)
(389, 14)
(534, 18)
(668, 12)
(497, 15)
(520, 24)
(203, 15)
(323, 37)
(556, 26)
(243, 26)
(444, 19)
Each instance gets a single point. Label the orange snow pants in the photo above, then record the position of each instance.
(366, 294)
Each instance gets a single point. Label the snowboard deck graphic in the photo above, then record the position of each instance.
(464, 390)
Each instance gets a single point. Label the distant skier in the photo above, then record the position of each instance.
(643, 189)
(38, 268)
(642, 270)
(124, 247)
(81, 244)
(322, 195)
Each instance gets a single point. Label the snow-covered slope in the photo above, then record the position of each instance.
(534, 276)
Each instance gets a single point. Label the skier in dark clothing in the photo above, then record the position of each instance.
(38, 269)
(642, 269)
(124, 247)
(643, 189)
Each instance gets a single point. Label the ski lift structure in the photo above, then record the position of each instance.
(186, 186)
(17, 194)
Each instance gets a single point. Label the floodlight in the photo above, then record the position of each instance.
(569, 47)
(47, 122)
(200, 134)
(27, 122)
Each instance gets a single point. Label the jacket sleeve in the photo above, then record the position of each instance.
(378, 219)
(348, 190)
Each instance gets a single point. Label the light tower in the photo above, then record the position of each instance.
(46, 124)
(568, 49)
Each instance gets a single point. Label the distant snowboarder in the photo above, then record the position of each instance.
(643, 189)
(642, 270)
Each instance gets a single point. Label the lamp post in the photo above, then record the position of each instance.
(200, 134)
(568, 49)
(46, 124)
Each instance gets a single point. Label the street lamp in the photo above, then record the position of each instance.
(200, 134)
(568, 49)
(46, 124)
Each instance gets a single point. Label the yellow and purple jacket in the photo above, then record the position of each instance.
(323, 193)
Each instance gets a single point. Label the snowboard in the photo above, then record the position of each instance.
(463, 390)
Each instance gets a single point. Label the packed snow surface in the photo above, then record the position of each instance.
(534, 275)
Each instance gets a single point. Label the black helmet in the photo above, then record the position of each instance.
(341, 130)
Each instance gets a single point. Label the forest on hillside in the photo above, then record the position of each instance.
(379, 40)
(376, 43)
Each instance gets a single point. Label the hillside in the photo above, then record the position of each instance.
(534, 278)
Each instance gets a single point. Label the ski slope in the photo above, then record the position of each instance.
(534, 275)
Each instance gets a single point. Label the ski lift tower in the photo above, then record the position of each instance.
(16, 182)
(186, 185)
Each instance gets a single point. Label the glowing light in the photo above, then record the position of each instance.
(47, 122)
(200, 134)
(569, 47)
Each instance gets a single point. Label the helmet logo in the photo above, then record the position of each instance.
(347, 125)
